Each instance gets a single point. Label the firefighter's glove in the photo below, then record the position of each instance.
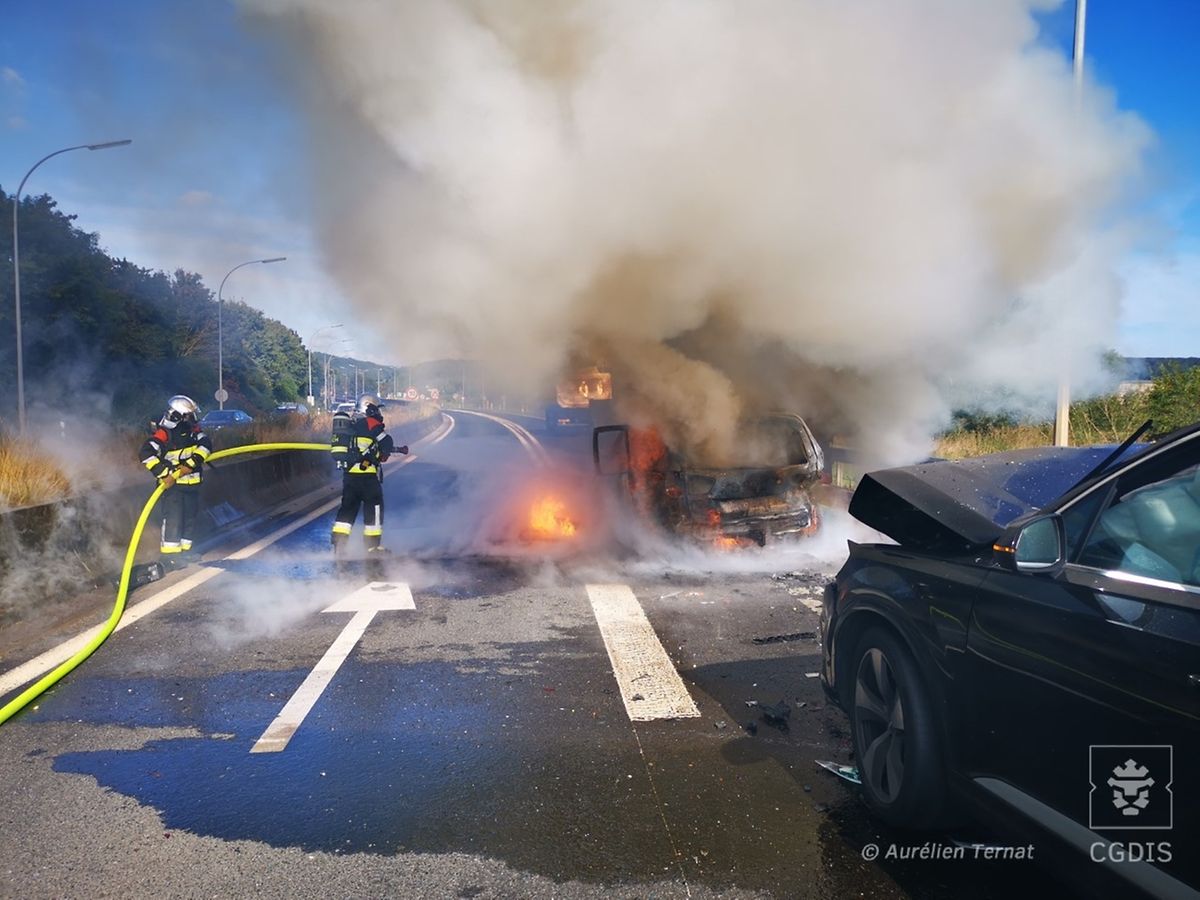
(402, 449)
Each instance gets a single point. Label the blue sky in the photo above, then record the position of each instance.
(217, 171)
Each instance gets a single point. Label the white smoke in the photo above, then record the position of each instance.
(854, 210)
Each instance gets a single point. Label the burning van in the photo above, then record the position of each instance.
(583, 397)
(767, 500)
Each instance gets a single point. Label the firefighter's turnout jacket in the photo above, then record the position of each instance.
(167, 449)
(368, 450)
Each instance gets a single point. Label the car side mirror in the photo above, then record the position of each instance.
(1036, 546)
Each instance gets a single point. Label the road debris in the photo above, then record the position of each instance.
(846, 773)
(785, 638)
(777, 712)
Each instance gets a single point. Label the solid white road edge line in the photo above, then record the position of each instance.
(57, 655)
(649, 683)
(364, 603)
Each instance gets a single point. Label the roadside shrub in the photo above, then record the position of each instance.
(27, 476)
(1174, 400)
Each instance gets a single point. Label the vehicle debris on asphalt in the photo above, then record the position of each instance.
(846, 773)
(785, 638)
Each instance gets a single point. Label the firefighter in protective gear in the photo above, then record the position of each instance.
(175, 453)
(362, 480)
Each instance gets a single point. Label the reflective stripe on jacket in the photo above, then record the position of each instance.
(374, 446)
(165, 451)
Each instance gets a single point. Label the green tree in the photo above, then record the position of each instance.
(106, 337)
(1174, 399)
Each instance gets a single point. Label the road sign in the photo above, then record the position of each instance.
(221, 395)
(364, 603)
(410, 394)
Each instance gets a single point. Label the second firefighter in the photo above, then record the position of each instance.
(360, 447)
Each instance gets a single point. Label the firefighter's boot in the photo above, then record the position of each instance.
(377, 556)
(338, 541)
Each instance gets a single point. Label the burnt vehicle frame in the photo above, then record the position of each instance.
(752, 505)
(1038, 607)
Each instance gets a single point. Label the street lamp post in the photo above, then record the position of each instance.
(1062, 408)
(311, 338)
(332, 395)
(16, 202)
(221, 393)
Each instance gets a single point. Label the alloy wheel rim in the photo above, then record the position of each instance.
(879, 720)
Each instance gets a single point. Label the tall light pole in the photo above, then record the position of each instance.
(16, 202)
(310, 340)
(222, 395)
(332, 395)
(1062, 410)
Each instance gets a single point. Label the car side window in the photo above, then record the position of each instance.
(1079, 516)
(1150, 529)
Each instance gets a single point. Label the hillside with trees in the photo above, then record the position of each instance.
(106, 337)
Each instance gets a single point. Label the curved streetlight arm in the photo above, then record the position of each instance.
(16, 202)
(311, 338)
(220, 333)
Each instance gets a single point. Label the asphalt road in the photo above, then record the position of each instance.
(478, 742)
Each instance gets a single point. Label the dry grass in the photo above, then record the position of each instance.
(28, 477)
(961, 444)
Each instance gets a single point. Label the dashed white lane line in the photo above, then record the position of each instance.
(649, 683)
(364, 603)
(56, 656)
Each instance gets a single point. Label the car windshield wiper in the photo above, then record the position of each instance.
(1116, 454)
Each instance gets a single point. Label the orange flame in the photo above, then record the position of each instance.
(548, 518)
(646, 450)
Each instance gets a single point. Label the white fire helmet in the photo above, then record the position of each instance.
(180, 409)
(368, 404)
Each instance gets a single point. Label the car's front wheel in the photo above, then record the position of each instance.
(895, 741)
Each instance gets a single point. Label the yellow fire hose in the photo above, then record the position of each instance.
(46, 681)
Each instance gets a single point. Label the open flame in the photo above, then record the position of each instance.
(549, 518)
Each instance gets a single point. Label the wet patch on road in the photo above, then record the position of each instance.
(394, 758)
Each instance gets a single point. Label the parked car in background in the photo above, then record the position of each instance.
(344, 409)
(1029, 652)
(217, 419)
(295, 409)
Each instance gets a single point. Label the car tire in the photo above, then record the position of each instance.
(895, 741)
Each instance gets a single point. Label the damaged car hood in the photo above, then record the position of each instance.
(957, 505)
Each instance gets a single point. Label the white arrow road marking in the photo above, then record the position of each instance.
(364, 603)
(650, 686)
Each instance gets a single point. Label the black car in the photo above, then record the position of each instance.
(1029, 652)
(216, 419)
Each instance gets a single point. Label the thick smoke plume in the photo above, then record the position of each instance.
(858, 211)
